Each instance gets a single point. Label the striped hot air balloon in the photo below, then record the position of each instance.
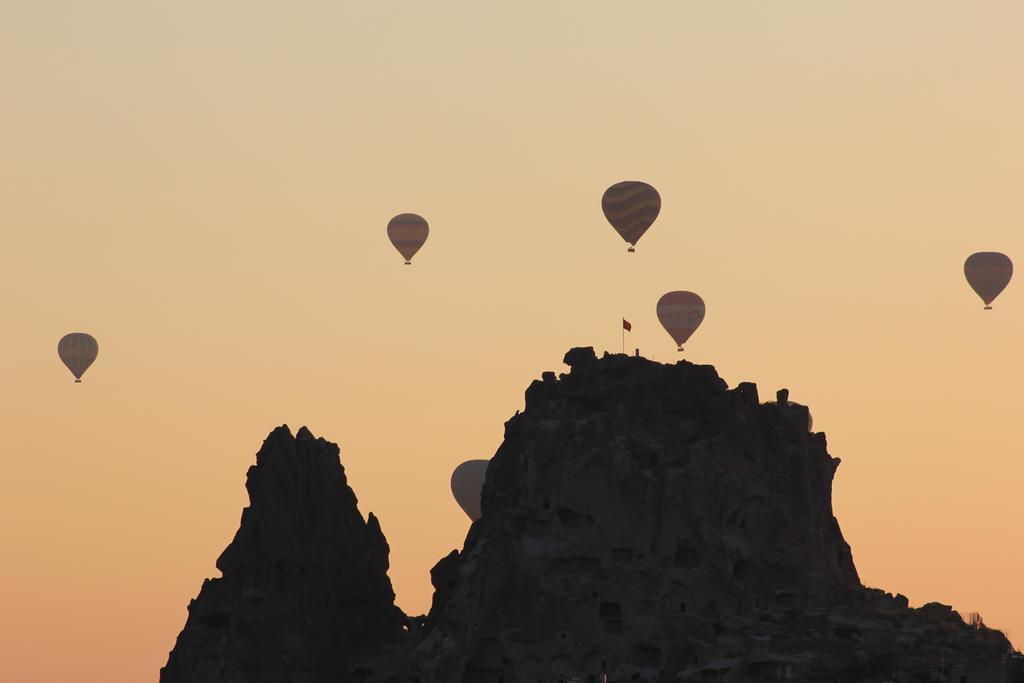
(988, 273)
(631, 207)
(467, 483)
(77, 350)
(407, 232)
(680, 313)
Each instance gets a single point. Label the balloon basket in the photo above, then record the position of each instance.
(78, 381)
(631, 249)
(988, 308)
(408, 263)
(680, 349)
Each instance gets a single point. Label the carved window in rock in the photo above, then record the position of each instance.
(710, 610)
(622, 555)
(785, 599)
(742, 568)
(571, 519)
(686, 555)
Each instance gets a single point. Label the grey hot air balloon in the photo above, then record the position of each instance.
(680, 313)
(408, 232)
(467, 483)
(631, 207)
(77, 350)
(988, 273)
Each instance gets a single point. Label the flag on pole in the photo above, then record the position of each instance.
(626, 326)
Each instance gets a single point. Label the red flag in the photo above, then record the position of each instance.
(626, 326)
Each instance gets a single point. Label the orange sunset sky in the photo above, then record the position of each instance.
(204, 186)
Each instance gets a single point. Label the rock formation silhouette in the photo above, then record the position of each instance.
(641, 522)
(305, 594)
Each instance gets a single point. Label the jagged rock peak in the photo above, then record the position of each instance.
(304, 592)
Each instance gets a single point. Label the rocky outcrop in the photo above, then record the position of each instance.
(641, 521)
(305, 595)
(645, 522)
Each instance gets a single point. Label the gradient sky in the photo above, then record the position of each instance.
(204, 186)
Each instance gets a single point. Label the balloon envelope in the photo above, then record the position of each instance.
(77, 350)
(407, 232)
(631, 207)
(467, 483)
(988, 273)
(680, 313)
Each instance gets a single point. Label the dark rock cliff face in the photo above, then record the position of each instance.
(644, 522)
(641, 521)
(305, 591)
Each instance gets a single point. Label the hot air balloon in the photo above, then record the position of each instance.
(78, 350)
(988, 273)
(631, 207)
(467, 483)
(407, 232)
(680, 313)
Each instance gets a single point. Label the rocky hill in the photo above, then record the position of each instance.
(641, 521)
(645, 522)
